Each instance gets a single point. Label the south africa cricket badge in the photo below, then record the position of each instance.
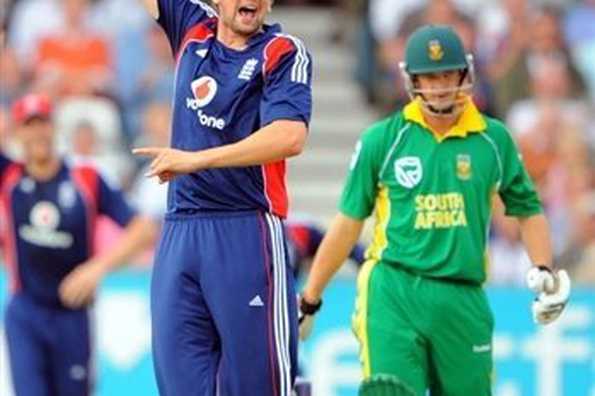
(464, 166)
(435, 51)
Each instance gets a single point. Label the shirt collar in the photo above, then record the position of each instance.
(470, 121)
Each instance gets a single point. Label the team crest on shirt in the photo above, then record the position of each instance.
(435, 51)
(248, 69)
(408, 171)
(464, 166)
(44, 219)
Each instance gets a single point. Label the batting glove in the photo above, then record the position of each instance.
(306, 316)
(553, 291)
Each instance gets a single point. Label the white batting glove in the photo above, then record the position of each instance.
(553, 292)
(306, 312)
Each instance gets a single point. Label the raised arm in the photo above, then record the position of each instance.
(176, 17)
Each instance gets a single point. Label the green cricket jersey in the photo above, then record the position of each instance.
(433, 194)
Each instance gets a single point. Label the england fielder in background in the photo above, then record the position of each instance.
(48, 208)
(224, 317)
(431, 172)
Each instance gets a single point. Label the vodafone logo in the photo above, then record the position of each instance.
(204, 90)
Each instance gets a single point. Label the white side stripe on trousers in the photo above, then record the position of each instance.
(280, 311)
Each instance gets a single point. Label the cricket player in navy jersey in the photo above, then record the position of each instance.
(224, 315)
(48, 208)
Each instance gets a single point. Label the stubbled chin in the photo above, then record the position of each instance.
(246, 30)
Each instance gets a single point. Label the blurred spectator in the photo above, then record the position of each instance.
(482, 87)
(557, 159)
(154, 83)
(579, 28)
(31, 20)
(73, 60)
(550, 82)
(84, 140)
(156, 123)
(579, 256)
(519, 54)
(86, 148)
(112, 17)
(509, 261)
(156, 80)
(103, 117)
(387, 16)
(11, 77)
(7, 141)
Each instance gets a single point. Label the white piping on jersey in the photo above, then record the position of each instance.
(211, 13)
(280, 311)
(500, 168)
(299, 71)
(393, 147)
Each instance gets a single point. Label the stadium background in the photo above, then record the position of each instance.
(110, 71)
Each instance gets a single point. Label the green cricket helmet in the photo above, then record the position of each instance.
(434, 49)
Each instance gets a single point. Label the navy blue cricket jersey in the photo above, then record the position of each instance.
(222, 96)
(48, 227)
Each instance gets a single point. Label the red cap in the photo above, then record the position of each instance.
(32, 105)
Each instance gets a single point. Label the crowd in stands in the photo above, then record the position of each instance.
(110, 70)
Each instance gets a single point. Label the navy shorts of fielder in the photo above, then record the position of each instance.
(223, 304)
(50, 349)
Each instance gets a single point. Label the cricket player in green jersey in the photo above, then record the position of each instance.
(431, 172)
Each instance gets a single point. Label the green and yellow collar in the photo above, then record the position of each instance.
(470, 121)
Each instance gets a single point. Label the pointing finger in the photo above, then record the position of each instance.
(148, 151)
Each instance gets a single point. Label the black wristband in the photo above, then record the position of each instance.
(307, 308)
(545, 268)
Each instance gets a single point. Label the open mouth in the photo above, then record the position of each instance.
(248, 11)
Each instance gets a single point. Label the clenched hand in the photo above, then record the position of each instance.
(78, 287)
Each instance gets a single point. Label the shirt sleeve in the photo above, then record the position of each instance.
(360, 190)
(176, 17)
(288, 78)
(113, 205)
(516, 187)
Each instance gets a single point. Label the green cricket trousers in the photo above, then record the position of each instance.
(428, 333)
